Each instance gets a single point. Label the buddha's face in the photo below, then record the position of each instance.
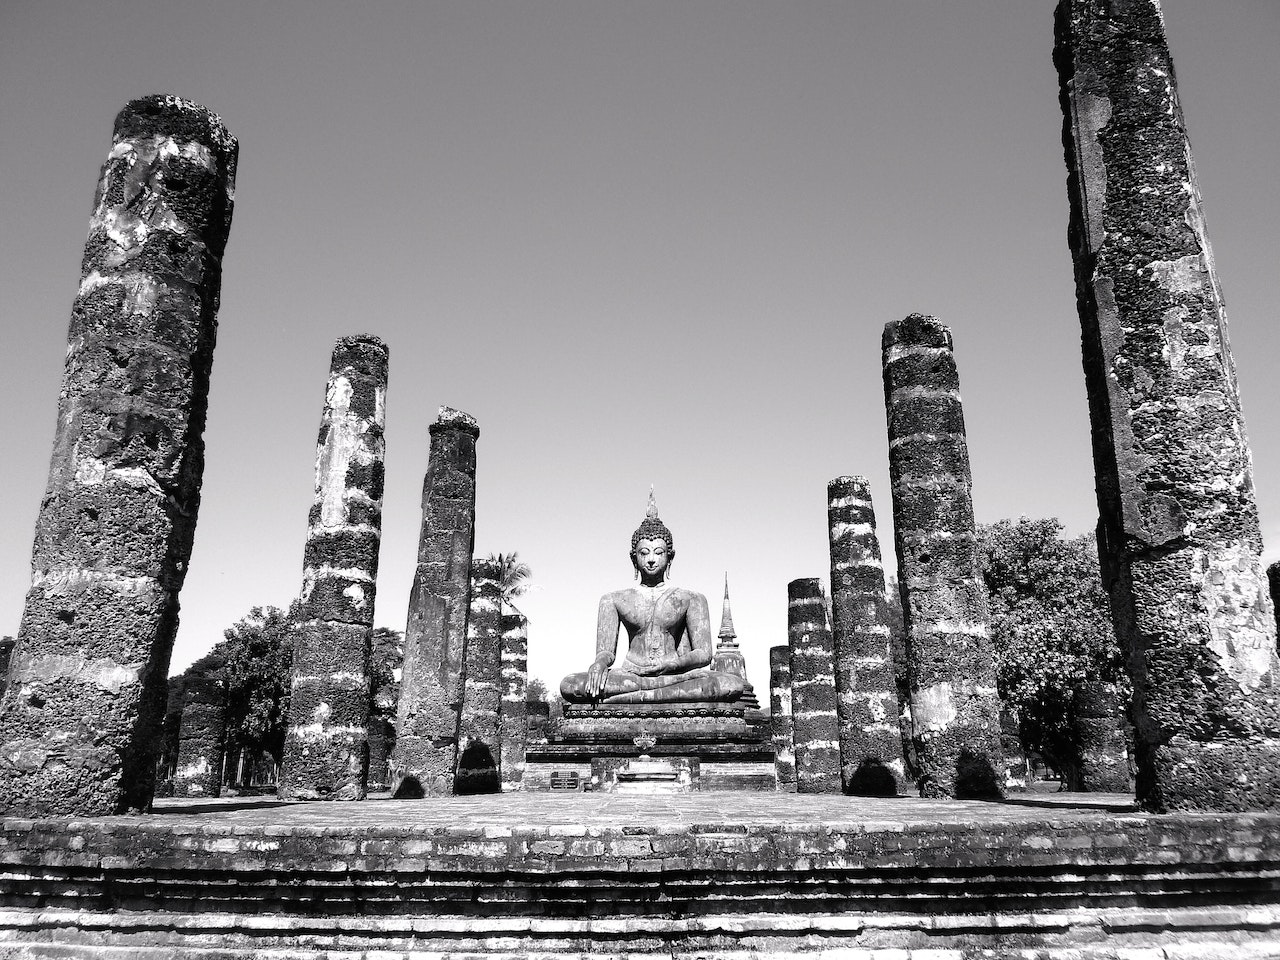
(652, 557)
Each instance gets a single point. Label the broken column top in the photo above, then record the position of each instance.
(451, 419)
(917, 329)
(164, 115)
(362, 351)
(847, 486)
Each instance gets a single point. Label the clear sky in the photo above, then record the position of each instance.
(641, 242)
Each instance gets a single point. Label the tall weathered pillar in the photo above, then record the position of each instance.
(955, 712)
(326, 747)
(436, 633)
(781, 725)
(813, 689)
(478, 747)
(513, 712)
(866, 695)
(1178, 531)
(79, 722)
(201, 735)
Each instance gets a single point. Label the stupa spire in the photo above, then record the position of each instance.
(727, 636)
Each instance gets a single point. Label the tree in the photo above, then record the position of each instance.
(1052, 630)
(536, 691)
(258, 656)
(514, 576)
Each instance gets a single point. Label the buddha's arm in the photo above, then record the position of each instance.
(606, 645)
(697, 628)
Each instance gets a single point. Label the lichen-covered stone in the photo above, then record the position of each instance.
(326, 751)
(955, 712)
(201, 735)
(781, 724)
(479, 749)
(513, 710)
(1178, 534)
(813, 689)
(80, 720)
(435, 636)
(866, 695)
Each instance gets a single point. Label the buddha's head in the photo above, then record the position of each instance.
(652, 547)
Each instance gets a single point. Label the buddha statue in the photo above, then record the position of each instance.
(668, 636)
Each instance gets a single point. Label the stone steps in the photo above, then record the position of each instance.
(1235, 932)
(630, 879)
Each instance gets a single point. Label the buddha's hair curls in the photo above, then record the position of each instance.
(651, 528)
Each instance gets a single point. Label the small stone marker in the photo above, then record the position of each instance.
(955, 712)
(866, 695)
(80, 719)
(1179, 536)
(326, 748)
(435, 636)
(813, 689)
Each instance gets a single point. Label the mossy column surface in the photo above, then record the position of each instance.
(513, 711)
(813, 689)
(781, 726)
(326, 747)
(478, 748)
(1178, 529)
(201, 735)
(866, 695)
(436, 632)
(80, 719)
(955, 712)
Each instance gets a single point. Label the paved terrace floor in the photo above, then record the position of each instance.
(552, 810)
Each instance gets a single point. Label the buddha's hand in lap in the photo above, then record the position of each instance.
(597, 677)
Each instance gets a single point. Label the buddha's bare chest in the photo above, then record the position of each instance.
(645, 611)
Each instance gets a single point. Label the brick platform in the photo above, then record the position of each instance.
(716, 875)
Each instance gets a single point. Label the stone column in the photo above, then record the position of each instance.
(780, 720)
(1178, 534)
(435, 635)
(513, 713)
(1273, 590)
(201, 736)
(478, 744)
(1104, 761)
(866, 695)
(167, 752)
(326, 747)
(79, 721)
(955, 713)
(6, 654)
(813, 689)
